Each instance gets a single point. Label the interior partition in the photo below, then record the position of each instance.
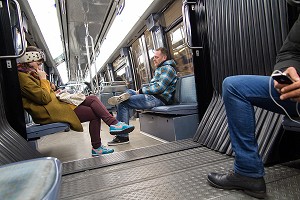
(243, 38)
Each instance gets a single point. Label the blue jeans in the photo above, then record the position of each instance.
(240, 94)
(136, 101)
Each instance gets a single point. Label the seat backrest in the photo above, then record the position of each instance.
(114, 86)
(291, 125)
(38, 178)
(185, 90)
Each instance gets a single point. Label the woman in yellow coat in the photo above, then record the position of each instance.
(40, 101)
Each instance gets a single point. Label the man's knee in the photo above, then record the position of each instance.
(228, 83)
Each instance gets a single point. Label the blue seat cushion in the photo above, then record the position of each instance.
(39, 130)
(180, 109)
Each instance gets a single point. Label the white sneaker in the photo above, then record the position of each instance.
(118, 99)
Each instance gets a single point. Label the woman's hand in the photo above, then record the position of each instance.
(41, 73)
(291, 91)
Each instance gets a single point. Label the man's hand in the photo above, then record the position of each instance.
(291, 91)
(137, 92)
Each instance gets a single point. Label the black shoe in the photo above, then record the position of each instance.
(255, 187)
(118, 140)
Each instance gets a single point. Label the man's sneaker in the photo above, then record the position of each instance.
(118, 140)
(118, 99)
(255, 187)
(120, 128)
(101, 150)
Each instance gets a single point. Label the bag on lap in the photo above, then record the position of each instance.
(75, 99)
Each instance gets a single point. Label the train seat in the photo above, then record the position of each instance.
(35, 131)
(110, 89)
(290, 125)
(38, 178)
(177, 121)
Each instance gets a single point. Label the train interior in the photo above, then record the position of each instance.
(170, 151)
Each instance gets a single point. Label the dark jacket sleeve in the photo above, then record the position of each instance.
(289, 54)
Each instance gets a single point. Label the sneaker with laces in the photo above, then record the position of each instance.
(120, 128)
(101, 150)
(118, 140)
(118, 99)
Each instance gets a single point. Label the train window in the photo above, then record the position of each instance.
(150, 49)
(121, 73)
(140, 60)
(119, 66)
(119, 62)
(172, 13)
(106, 76)
(179, 51)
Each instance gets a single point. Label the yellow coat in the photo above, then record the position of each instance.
(41, 103)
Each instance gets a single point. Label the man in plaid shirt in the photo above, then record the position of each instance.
(159, 92)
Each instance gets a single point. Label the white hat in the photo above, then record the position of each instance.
(32, 56)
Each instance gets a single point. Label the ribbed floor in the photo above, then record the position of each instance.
(178, 174)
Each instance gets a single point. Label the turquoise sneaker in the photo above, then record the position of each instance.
(101, 150)
(120, 128)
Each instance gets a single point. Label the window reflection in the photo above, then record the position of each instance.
(179, 51)
(150, 49)
(140, 62)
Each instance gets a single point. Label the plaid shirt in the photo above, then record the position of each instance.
(163, 84)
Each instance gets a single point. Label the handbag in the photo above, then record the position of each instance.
(75, 98)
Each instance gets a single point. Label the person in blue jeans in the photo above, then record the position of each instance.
(159, 92)
(240, 94)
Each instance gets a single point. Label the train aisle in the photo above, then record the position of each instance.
(69, 146)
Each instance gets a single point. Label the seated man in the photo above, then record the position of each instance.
(159, 92)
(240, 94)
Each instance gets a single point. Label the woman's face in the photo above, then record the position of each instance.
(37, 65)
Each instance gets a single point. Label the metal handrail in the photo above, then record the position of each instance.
(185, 3)
(21, 32)
(87, 37)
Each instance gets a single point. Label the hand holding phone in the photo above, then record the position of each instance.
(282, 78)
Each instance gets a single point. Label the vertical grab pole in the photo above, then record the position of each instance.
(96, 72)
(87, 37)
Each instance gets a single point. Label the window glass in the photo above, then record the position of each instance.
(140, 63)
(172, 13)
(106, 77)
(150, 49)
(179, 51)
(119, 62)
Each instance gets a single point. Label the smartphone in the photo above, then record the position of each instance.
(282, 78)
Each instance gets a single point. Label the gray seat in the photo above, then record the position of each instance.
(31, 179)
(177, 121)
(35, 131)
(110, 89)
(290, 125)
(185, 100)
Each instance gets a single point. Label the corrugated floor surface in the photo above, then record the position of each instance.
(175, 170)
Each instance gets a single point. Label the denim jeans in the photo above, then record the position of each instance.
(136, 101)
(240, 94)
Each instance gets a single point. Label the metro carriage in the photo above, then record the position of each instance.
(173, 148)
